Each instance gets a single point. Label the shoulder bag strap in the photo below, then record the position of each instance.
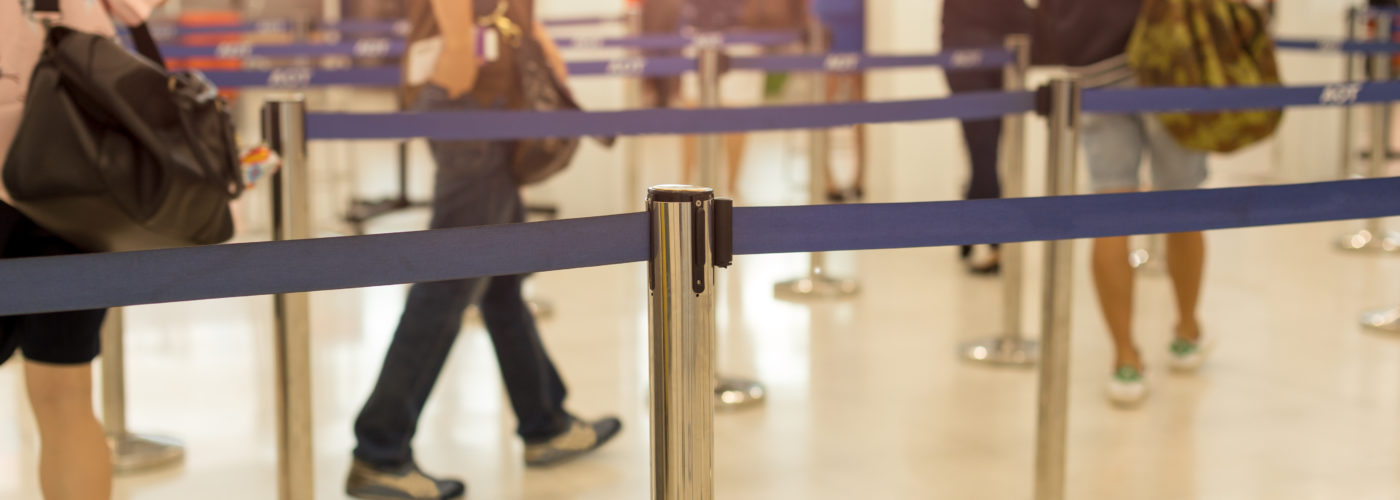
(145, 44)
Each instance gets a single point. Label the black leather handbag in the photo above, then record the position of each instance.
(535, 160)
(114, 153)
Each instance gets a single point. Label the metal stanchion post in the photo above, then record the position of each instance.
(709, 146)
(1011, 347)
(731, 393)
(1375, 238)
(1056, 294)
(284, 128)
(632, 146)
(1348, 111)
(818, 284)
(682, 342)
(131, 452)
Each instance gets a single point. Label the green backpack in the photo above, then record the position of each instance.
(1207, 43)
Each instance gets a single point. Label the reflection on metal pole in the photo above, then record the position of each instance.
(284, 128)
(1056, 293)
(818, 284)
(1375, 238)
(682, 343)
(1011, 347)
(131, 452)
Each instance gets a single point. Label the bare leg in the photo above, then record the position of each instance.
(1186, 263)
(74, 461)
(1113, 279)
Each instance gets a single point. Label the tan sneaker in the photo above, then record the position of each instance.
(581, 437)
(404, 483)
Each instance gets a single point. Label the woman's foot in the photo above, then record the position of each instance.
(982, 260)
(1127, 387)
(1188, 348)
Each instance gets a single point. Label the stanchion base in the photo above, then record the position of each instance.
(816, 287)
(1385, 320)
(1364, 241)
(736, 393)
(1139, 258)
(143, 452)
(1002, 351)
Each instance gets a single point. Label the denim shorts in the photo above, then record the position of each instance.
(1114, 147)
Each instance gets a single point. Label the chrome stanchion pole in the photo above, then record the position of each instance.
(1011, 347)
(1056, 294)
(131, 452)
(1354, 15)
(1375, 238)
(818, 284)
(709, 147)
(731, 393)
(632, 146)
(682, 342)
(284, 128)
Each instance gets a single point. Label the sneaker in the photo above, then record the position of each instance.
(581, 437)
(402, 483)
(1187, 355)
(1127, 387)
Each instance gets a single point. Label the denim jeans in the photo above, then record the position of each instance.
(473, 188)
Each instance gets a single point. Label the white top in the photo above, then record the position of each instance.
(21, 40)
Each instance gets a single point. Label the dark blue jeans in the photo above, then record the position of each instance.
(473, 188)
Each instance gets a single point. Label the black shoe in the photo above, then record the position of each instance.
(982, 260)
(401, 483)
(581, 438)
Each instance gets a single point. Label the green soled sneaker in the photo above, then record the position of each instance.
(403, 483)
(581, 437)
(1188, 355)
(1127, 386)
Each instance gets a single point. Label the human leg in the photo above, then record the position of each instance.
(1113, 146)
(74, 461)
(1173, 168)
(983, 141)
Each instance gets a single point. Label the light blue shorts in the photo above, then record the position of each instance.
(1114, 146)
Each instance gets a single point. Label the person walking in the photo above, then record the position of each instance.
(447, 71)
(979, 24)
(1092, 36)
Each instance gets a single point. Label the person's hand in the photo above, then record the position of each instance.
(456, 71)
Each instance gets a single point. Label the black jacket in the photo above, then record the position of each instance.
(1083, 32)
(983, 22)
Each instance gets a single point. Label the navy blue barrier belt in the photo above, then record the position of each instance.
(501, 125)
(991, 57)
(349, 26)
(1201, 99)
(1337, 45)
(48, 284)
(394, 47)
(301, 76)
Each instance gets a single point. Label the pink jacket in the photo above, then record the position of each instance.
(21, 40)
